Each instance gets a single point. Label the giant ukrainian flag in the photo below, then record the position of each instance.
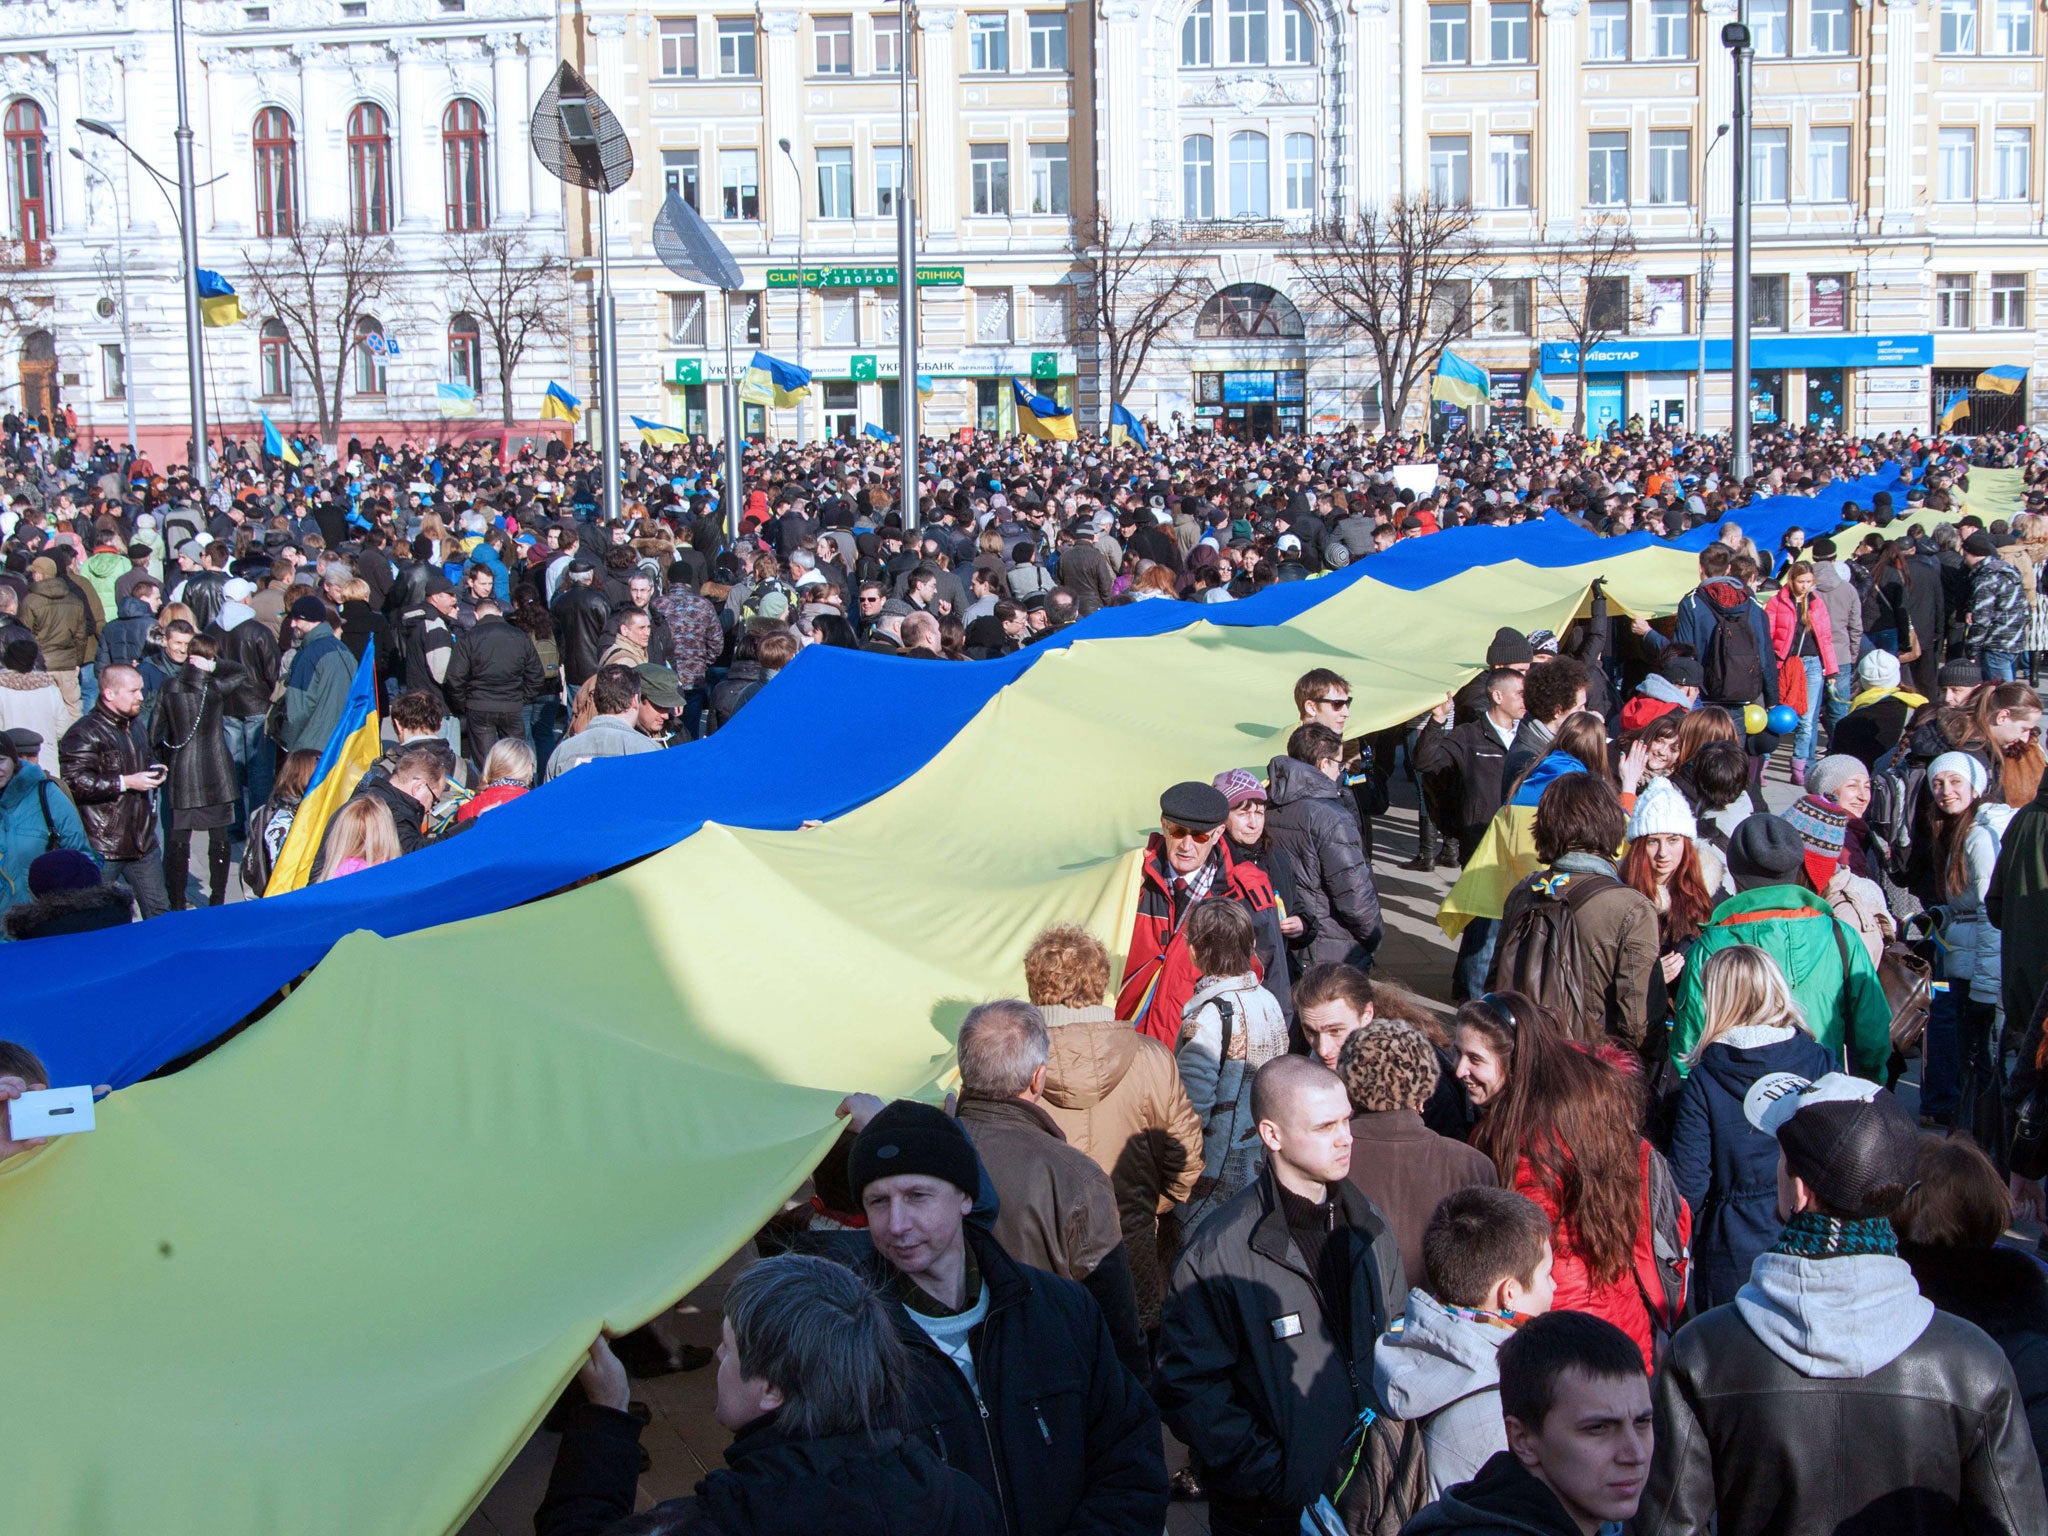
(349, 751)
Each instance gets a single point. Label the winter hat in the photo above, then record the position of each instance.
(1543, 642)
(42, 568)
(1387, 1065)
(1959, 674)
(1510, 647)
(1848, 1140)
(1661, 810)
(310, 609)
(1240, 785)
(1826, 777)
(909, 1137)
(61, 869)
(1963, 763)
(1823, 827)
(1980, 545)
(773, 605)
(20, 655)
(1880, 669)
(1682, 672)
(1764, 850)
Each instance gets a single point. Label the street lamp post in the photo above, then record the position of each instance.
(121, 288)
(803, 294)
(908, 411)
(188, 234)
(1699, 408)
(1737, 39)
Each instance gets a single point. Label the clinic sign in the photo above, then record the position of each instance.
(1661, 355)
(862, 277)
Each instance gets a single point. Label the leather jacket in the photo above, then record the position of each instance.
(94, 754)
(580, 613)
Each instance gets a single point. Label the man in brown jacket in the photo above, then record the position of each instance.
(55, 612)
(1054, 1209)
(1117, 1095)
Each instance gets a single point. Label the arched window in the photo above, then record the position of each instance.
(28, 204)
(369, 169)
(369, 356)
(1250, 182)
(1198, 37)
(464, 167)
(1297, 37)
(1248, 311)
(277, 177)
(276, 357)
(465, 351)
(1198, 177)
(1298, 173)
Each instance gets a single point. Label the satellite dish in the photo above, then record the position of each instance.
(690, 248)
(577, 137)
(105, 308)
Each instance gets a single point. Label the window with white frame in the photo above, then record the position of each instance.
(736, 59)
(1198, 177)
(1671, 165)
(832, 44)
(888, 159)
(679, 175)
(989, 171)
(1607, 31)
(274, 352)
(839, 318)
(1607, 170)
(1046, 32)
(1958, 26)
(1198, 37)
(2007, 292)
(1670, 29)
(1827, 26)
(1769, 304)
(888, 44)
(1051, 314)
(1298, 173)
(1955, 165)
(991, 314)
(113, 372)
(2012, 164)
(679, 49)
(739, 183)
(835, 183)
(1769, 181)
(988, 44)
(1450, 28)
(1507, 163)
(1508, 33)
(1770, 28)
(1511, 309)
(1250, 177)
(2012, 26)
(686, 320)
(1827, 165)
(1297, 35)
(1049, 178)
(1245, 30)
(1450, 168)
(369, 349)
(1952, 301)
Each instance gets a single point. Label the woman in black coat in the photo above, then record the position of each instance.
(188, 735)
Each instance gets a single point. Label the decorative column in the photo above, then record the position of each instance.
(419, 190)
(1558, 142)
(1899, 69)
(937, 127)
(324, 193)
(510, 111)
(70, 211)
(543, 192)
(1379, 155)
(1717, 97)
(130, 106)
(1123, 154)
(229, 203)
(783, 117)
(609, 76)
(1412, 150)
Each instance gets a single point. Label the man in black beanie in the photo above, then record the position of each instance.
(1019, 1384)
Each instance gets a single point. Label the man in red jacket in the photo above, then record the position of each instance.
(1187, 861)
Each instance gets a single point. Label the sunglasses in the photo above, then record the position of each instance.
(1175, 830)
(1343, 701)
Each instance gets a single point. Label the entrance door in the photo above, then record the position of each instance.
(842, 409)
(39, 375)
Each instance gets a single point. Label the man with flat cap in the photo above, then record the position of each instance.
(1018, 1383)
(1188, 861)
(1830, 1395)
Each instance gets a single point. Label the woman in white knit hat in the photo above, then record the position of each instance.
(1667, 863)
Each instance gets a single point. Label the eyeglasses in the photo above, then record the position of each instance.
(1493, 1002)
(1175, 830)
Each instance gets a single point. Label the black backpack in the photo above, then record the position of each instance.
(1539, 955)
(1733, 666)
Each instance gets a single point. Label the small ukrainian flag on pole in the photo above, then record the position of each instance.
(1956, 408)
(1540, 401)
(658, 432)
(771, 381)
(1458, 382)
(1124, 427)
(274, 443)
(2005, 379)
(559, 405)
(217, 302)
(1040, 417)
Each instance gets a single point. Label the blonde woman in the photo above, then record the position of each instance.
(1726, 1168)
(363, 834)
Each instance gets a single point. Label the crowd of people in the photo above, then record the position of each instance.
(1693, 1213)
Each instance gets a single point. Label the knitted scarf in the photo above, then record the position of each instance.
(1810, 1235)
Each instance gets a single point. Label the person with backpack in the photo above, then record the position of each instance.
(1312, 816)
(1730, 633)
(36, 815)
(1574, 935)
(1230, 1028)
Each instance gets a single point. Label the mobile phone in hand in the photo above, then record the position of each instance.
(50, 1112)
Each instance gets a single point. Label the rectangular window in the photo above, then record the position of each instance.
(1051, 319)
(1049, 179)
(1450, 28)
(1450, 168)
(839, 322)
(832, 42)
(1827, 165)
(888, 178)
(990, 168)
(1958, 26)
(679, 49)
(679, 175)
(1770, 28)
(1827, 30)
(2008, 292)
(1250, 177)
(1671, 165)
(2012, 26)
(1952, 301)
(746, 320)
(991, 314)
(1607, 31)
(739, 180)
(1508, 34)
(1298, 173)
(1451, 309)
(1511, 309)
(1768, 306)
(1607, 303)
(1827, 301)
(113, 372)
(888, 45)
(1664, 306)
(736, 47)
(2012, 164)
(1768, 178)
(988, 44)
(686, 320)
(1607, 170)
(1048, 35)
(887, 317)
(1955, 168)
(835, 183)
(1670, 29)
(1246, 33)
(1507, 159)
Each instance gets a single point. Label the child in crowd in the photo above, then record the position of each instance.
(1230, 1028)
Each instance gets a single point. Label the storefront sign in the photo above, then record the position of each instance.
(1682, 356)
(862, 277)
(861, 368)
(1827, 302)
(1247, 386)
(1045, 365)
(689, 370)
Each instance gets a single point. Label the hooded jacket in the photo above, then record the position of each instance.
(316, 693)
(101, 570)
(62, 912)
(35, 817)
(63, 626)
(1655, 695)
(123, 641)
(32, 701)
(1999, 609)
(247, 645)
(1696, 621)
(1845, 608)
(1230, 1028)
(1975, 954)
(1831, 1396)
(1443, 1368)
(1314, 819)
(1505, 1499)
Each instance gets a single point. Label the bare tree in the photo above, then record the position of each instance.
(1583, 289)
(319, 281)
(1138, 284)
(516, 291)
(1411, 278)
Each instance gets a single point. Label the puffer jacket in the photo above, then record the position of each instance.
(57, 616)
(32, 701)
(1998, 609)
(101, 570)
(1786, 638)
(1230, 1028)
(1975, 951)
(187, 734)
(123, 641)
(95, 753)
(1314, 819)
(1620, 1300)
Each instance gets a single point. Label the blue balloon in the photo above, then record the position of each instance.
(1784, 720)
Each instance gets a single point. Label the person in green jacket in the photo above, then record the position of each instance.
(1833, 980)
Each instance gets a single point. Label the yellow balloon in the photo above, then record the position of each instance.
(1755, 718)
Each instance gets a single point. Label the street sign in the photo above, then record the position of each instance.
(863, 277)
